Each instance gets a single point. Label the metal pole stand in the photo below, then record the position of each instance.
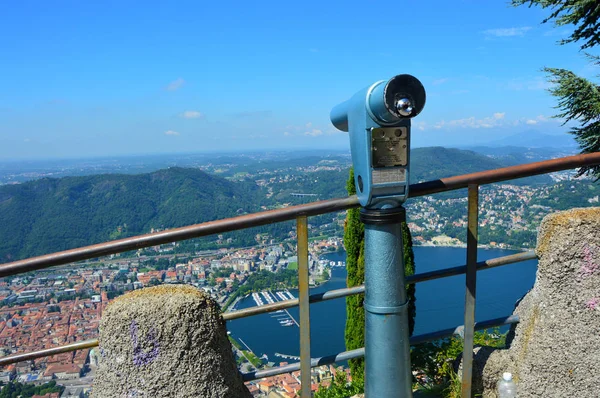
(387, 345)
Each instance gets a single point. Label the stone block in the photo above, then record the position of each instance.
(554, 351)
(166, 341)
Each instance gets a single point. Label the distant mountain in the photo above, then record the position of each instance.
(535, 139)
(518, 155)
(49, 215)
(437, 162)
(56, 214)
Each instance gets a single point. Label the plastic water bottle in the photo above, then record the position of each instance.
(507, 387)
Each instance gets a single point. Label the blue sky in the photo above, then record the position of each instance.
(110, 78)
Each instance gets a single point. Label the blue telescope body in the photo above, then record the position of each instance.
(378, 121)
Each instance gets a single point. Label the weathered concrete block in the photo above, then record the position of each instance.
(555, 349)
(166, 341)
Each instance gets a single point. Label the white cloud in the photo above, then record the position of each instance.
(27, 140)
(538, 119)
(437, 82)
(192, 115)
(507, 32)
(497, 119)
(313, 132)
(420, 125)
(171, 132)
(175, 85)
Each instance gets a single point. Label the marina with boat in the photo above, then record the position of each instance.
(284, 318)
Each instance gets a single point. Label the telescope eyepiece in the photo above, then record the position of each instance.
(403, 92)
(389, 103)
(404, 107)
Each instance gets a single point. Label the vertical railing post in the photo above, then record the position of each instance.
(302, 234)
(471, 281)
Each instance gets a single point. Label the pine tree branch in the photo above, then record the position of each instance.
(584, 15)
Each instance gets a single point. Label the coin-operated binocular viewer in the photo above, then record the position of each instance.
(378, 120)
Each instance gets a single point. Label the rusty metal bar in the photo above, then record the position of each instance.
(4, 361)
(481, 265)
(303, 301)
(459, 330)
(288, 213)
(504, 174)
(177, 234)
(263, 218)
(313, 298)
(470, 292)
(360, 352)
(422, 277)
(280, 305)
(80, 345)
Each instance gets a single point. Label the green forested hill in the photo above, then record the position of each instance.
(437, 162)
(48, 215)
(426, 164)
(56, 214)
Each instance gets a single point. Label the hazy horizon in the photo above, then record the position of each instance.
(113, 79)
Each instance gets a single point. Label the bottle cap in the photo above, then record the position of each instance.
(507, 376)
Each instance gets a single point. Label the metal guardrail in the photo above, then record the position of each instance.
(360, 352)
(285, 304)
(288, 213)
(300, 213)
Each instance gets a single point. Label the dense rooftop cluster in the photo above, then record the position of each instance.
(64, 306)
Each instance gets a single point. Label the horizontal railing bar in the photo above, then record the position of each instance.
(314, 362)
(280, 305)
(422, 277)
(459, 330)
(313, 298)
(288, 213)
(481, 265)
(176, 234)
(81, 345)
(360, 352)
(94, 343)
(504, 174)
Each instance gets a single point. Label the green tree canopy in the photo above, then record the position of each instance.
(578, 98)
(583, 14)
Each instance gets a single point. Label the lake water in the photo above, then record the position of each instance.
(440, 303)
